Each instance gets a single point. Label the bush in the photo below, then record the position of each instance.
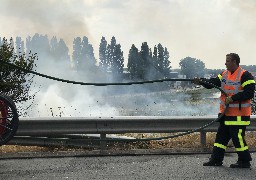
(14, 82)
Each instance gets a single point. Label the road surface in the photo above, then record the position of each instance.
(156, 167)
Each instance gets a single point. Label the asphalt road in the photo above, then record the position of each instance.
(159, 167)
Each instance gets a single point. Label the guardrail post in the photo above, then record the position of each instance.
(103, 144)
(203, 138)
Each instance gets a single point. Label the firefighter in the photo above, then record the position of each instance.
(239, 85)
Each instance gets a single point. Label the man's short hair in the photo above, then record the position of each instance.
(235, 57)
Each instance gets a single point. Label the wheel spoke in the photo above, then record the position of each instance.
(8, 119)
(6, 127)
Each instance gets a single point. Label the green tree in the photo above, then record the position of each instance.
(154, 65)
(87, 54)
(104, 64)
(118, 62)
(54, 47)
(76, 55)
(28, 45)
(111, 51)
(159, 63)
(83, 55)
(134, 63)
(145, 55)
(166, 63)
(160, 60)
(192, 67)
(14, 82)
(115, 59)
(154, 56)
(38, 44)
(63, 52)
(59, 51)
(20, 49)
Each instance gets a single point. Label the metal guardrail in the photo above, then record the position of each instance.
(43, 129)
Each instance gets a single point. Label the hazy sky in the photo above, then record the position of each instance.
(202, 29)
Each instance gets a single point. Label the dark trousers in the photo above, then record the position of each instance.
(224, 134)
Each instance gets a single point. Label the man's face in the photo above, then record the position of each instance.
(230, 64)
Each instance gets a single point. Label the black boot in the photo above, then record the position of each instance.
(213, 162)
(241, 164)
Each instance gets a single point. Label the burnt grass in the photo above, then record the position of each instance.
(191, 141)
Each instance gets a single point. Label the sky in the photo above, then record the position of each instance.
(201, 29)
(205, 30)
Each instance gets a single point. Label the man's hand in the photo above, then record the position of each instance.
(196, 81)
(228, 100)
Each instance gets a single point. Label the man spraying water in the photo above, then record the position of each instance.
(239, 85)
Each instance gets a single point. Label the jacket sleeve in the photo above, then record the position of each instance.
(216, 81)
(248, 83)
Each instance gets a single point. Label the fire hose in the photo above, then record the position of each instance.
(132, 83)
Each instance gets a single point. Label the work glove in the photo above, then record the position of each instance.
(228, 100)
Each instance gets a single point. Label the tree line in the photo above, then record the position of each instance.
(143, 63)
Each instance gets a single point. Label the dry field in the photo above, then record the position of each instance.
(187, 141)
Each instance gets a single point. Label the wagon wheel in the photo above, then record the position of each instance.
(9, 119)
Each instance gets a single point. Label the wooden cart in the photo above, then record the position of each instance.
(9, 119)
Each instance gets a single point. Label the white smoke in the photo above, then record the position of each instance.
(52, 103)
(206, 30)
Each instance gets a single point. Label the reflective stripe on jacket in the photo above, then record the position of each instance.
(231, 84)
